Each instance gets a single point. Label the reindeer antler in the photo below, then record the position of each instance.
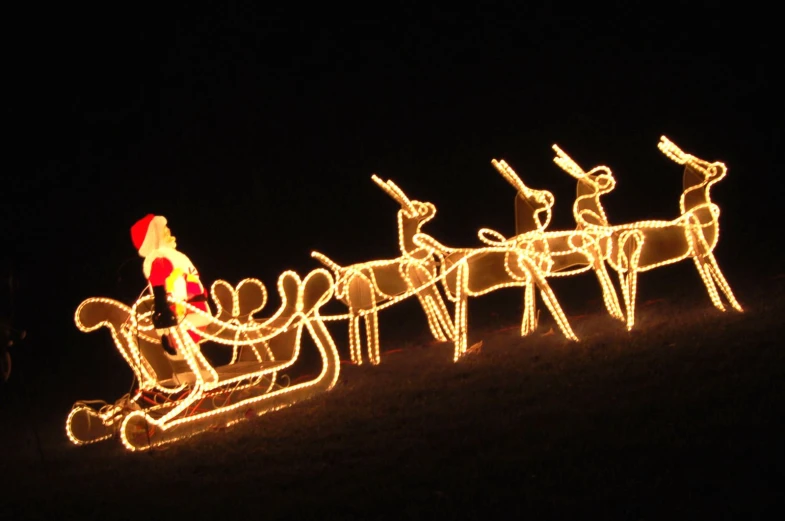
(567, 164)
(542, 197)
(571, 167)
(676, 154)
(396, 193)
(511, 176)
(394, 187)
(673, 152)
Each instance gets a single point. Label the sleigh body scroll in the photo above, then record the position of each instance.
(179, 395)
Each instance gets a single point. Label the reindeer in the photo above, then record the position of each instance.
(644, 245)
(571, 251)
(473, 272)
(365, 286)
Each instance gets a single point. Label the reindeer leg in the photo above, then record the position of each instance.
(630, 293)
(625, 294)
(442, 314)
(631, 244)
(529, 320)
(550, 301)
(705, 272)
(609, 296)
(372, 326)
(372, 334)
(430, 314)
(360, 297)
(355, 339)
(461, 308)
(700, 252)
(431, 301)
(714, 269)
(624, 274)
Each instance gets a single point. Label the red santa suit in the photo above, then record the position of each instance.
(167, 267)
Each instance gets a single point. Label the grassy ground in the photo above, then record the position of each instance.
(678, 418)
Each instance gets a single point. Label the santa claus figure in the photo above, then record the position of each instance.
(171, 274)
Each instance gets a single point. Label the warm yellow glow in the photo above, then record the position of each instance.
(644, 245)
(181, 395)
(368, 287)
(473, 272)
(463, 272)
(556, 253)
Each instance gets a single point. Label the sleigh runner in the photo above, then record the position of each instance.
(181, 395)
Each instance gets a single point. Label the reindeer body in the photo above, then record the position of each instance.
(472, 272)
(644, 245)
(568, 252)
(385, 277)
(363, 287)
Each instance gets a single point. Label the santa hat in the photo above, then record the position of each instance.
(146, 232)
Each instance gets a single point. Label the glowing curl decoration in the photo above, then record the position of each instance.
(640, 246)
(368, 287)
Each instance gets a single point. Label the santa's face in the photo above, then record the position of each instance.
(167, 239)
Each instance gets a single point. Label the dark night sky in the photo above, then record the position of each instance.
(255, 130)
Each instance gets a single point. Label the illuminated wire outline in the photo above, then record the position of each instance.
(366, 287)
(561, 253)
(204, 396)
(692, 235)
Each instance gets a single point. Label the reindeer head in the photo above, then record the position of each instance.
(599, 179)
(707, 171)
(591, 185)
(419, 211)
(412, 215)
(529, 204)
(698, 177)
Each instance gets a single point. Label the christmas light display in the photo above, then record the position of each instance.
(368, 287)
(501, 264)
(183, 394)
(644, 245)
(179, 392)
(565, 253)
(473, 272)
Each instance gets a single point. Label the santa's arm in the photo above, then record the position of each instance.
(163, 317)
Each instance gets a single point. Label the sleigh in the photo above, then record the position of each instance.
(177, 396)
